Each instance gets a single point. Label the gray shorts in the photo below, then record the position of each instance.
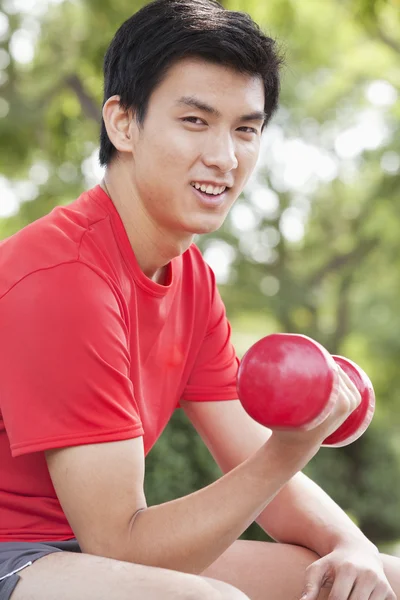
(15, 556)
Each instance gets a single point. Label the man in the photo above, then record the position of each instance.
(110, 319)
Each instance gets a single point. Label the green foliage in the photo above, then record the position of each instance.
(178, 461)
(337, 283)
(358, 478)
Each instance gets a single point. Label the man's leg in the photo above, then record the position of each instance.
(66, 576)
(267, 571)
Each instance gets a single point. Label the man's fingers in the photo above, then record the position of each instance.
(379, 592)
(349, 390)
(344, 588)
(348, 383)
(315, 578)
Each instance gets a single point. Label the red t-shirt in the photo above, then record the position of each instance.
(91, 350)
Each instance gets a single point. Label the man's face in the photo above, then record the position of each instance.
(202, 128)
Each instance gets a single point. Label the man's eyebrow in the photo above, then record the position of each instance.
(195, 103)
(258, 115)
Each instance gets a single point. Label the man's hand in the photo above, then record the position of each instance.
(346, 398)
(351, 570)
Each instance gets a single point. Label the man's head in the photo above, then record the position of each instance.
(188, 88)
(165, 31)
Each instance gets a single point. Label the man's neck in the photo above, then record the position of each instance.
(154, 247)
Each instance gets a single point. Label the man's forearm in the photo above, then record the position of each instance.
(303, 514)
(190, 533)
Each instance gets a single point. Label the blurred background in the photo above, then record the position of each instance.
(313, 244)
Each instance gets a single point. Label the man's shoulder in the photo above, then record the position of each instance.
(50, 241)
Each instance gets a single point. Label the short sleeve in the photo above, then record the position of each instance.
(64, 362)
(214, 373)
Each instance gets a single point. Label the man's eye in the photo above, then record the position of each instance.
(248, 130)
(194, 120)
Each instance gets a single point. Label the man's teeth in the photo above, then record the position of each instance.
(209, 189)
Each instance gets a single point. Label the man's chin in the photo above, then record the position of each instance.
(208, 225)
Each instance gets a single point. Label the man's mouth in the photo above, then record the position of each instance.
(208, 188)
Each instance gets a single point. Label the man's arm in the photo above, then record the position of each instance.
(302, 513)
(100, 487)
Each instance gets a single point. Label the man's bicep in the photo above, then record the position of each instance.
(227, 430)
(100, 488)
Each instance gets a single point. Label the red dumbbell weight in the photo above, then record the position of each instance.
(285, 381)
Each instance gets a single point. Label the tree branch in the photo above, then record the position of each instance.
(342, 313)
(342, 260)
(89, 107)
(382, 35)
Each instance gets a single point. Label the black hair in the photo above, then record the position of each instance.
(165, 31)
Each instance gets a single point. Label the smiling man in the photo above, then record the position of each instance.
(110, 320)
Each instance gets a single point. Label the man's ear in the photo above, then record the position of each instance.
(118, 122)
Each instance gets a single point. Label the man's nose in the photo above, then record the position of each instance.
(221, 153)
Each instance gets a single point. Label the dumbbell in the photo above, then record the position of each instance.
(288, 381)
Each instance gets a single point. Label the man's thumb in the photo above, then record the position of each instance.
(315, 576)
